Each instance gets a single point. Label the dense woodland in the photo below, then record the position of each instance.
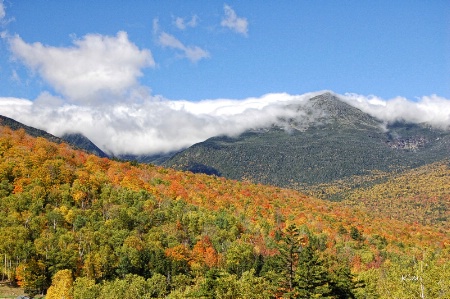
(74, 225)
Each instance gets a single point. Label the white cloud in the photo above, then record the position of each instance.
(433, 109)
(2, 10)
(182, 24)
(193, 53)
(233, 22)
(159, 125)
(152, 126)
(94, 66)
(3, 19)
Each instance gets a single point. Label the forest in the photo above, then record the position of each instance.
(74, 225)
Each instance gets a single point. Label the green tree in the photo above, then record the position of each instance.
(342, 283)
(239, 257)
(253, 287)
(290, 248)
(35, 280)
(311, 276)
(157, 286)
(413, 278)
(85, 288)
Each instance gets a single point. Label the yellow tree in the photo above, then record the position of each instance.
(62, 286)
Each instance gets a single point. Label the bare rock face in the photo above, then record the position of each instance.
(412, 143)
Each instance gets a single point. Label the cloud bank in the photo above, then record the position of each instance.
(153, 126)
(433, 109)
(158, 125)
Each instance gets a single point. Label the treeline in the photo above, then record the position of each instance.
(79, 226)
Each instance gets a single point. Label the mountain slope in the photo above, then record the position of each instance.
(111, 224)
(328, 141)
(15, 125)
(77, 140)
(82, 142)
(419, 195)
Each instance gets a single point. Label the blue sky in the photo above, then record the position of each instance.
(385, 48)
(65, 59)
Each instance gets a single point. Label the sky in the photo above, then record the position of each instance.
(156, 76)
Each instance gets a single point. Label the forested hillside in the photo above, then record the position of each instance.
(420, 195)
(75, 225)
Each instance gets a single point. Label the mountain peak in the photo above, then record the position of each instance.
(334, 110)
(81, 141)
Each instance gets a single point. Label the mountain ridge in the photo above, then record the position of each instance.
(77, 140)
(329, 140)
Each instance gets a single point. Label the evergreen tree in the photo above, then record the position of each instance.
(290, 248)
(312, 279)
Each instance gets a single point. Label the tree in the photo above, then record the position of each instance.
(412, 278)
(203, 254)
(85, 288)
(311, 276)
(253, 287)
(157, 286)
(239, 257)
(62, 286)
(33, 277)
(342, 283)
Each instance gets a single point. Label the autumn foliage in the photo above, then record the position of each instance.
(65, 214)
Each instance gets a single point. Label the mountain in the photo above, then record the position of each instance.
(82, 142)
(420, 195)
(75, 139)
(102, 228)
(157, 159)
(15, 125)
(329, 140)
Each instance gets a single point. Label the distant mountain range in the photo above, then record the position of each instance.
(336, 142)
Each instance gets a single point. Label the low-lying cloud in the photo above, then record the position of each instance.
(152, 126)
(433, 109)
(156, 125)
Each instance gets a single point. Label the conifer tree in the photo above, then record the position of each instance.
(311, 276)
